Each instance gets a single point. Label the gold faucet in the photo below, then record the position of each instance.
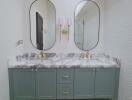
(86, 55)
(42, 55)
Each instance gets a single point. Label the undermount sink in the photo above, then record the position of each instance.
(43, 62)
(91, 62)
(84, 62)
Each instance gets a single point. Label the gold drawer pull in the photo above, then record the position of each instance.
(66, 92)
(66, 76)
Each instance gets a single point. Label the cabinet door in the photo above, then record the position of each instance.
(84, 83)
(105, 83)
(11, 85)
(46, 83)
(23, 84)
(117, 83)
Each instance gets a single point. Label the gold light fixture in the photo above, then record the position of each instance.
(64, 26)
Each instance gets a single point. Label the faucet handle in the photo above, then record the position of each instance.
(92, 55)
(87, 54)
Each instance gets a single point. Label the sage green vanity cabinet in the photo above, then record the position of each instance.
(105, 82)
(84, 83)
(45, 83)
(98, 83)
(22, 84)
(32, 84)
(64, 83)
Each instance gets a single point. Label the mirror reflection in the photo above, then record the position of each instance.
(87, 25)
(42, 24)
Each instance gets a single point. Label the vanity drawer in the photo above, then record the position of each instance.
(65, 91)
(65, 75)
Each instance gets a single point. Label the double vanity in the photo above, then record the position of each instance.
(73, 76)
(68, 78)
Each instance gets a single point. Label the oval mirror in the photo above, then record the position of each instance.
(43, 24)
(87, 25)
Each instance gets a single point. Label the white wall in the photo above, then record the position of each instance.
(64, 8)
(118, 40)
(11, 30)
(14, 25)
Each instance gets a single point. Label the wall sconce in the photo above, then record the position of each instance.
(64, 26)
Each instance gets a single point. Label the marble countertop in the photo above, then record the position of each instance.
(65, 62)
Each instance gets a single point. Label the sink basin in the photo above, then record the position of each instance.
(71, 61)
(84, 62)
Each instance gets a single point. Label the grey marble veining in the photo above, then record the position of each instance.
(66, 61)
